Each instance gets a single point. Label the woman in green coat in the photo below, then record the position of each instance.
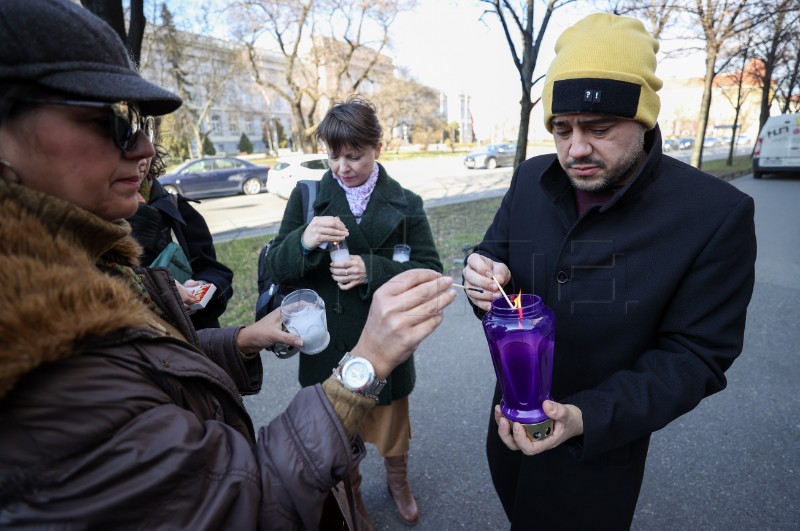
(359, 202)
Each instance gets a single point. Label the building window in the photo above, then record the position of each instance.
(216, 125)
(233, 124)
(248, 126)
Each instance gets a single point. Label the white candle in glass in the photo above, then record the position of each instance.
(339, 251)
(402, 253)
(309, 322)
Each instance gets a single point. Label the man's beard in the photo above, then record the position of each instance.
(611, 180)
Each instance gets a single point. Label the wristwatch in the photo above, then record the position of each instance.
(358, 375)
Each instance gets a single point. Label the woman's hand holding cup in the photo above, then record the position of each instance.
(350, 273)
(265, 333)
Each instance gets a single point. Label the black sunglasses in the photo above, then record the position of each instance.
(124, 120)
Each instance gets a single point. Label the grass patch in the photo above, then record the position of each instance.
(241, 256)
(741, 165)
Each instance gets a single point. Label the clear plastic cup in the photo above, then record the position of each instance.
(303, 314)
(402, 253)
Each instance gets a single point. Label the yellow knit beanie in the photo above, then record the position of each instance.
(604, 64)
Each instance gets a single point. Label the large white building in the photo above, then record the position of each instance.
(223, 99)
(220, 93)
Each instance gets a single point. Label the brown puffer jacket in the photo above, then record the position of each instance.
(107, 421)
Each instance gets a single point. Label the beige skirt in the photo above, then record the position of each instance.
(388, 428)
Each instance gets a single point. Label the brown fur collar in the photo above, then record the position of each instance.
(52, 296)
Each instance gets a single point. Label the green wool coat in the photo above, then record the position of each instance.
(393, 215)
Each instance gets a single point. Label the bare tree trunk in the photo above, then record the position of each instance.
(298, 128)
(770, 59)
(198, 143)
(525, 108)
(738, 105)
(112, 12)
(718, 21)
(136, 30)
(705, 107)
(526, 61)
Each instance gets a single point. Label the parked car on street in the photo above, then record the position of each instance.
(292, 168)
(491, 156)
(686, 143)
(710, 142)
(670, 144)
(215, 176)
(740, 140)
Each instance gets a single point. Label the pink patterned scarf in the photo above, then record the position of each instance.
(358, 196)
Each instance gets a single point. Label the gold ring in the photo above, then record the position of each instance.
(347, 271)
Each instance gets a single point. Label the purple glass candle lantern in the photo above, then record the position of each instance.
(521, 343)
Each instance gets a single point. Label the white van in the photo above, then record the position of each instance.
(778, 146)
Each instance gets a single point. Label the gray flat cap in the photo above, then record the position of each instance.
(64, 47)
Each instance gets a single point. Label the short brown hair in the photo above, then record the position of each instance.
(351, 123)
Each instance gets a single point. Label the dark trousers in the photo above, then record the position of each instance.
(556, 491)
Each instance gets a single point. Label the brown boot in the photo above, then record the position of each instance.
(397, 480)
(355, 482)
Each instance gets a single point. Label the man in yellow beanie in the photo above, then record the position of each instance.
(648, 265)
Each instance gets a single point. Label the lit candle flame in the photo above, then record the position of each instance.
(518, 300)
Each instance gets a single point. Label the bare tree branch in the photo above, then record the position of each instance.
(512, 22)
(325, 46)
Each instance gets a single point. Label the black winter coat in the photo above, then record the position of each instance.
(152, 226)
(650, 294)
(393, 215)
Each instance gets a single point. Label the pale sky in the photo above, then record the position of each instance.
(445, 45)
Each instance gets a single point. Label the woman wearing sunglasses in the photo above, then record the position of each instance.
(116, 413)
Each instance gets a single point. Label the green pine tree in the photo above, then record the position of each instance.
(280, 132)
(208, 147)
(245, 146)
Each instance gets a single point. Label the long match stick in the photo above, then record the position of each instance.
(479, 290)
(502, 291)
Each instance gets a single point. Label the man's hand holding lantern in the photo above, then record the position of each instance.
(568, 423)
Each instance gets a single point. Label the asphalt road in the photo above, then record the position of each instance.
(438, 180)
(731, 464)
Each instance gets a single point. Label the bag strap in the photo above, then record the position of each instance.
(308, 193)
(348, 488)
